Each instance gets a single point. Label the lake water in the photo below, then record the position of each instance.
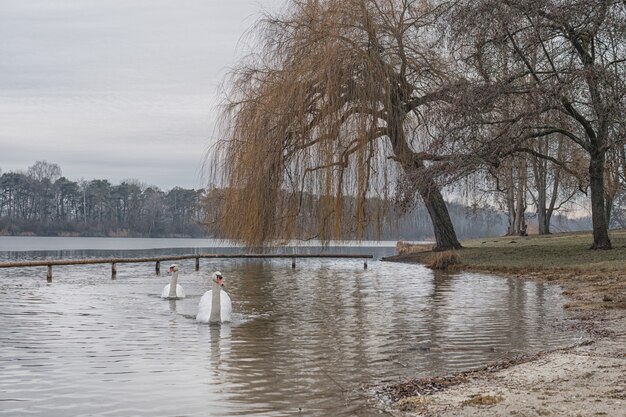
(303, 342)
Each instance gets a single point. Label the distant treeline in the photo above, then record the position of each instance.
(42, 202)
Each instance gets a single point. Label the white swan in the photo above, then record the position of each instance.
(215, 305)
(173, 290)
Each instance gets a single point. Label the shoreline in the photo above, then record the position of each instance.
(586, 379)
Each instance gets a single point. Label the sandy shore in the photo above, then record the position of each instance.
(584, 380)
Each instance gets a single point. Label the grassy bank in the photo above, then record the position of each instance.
(593, 278)
(530, 253)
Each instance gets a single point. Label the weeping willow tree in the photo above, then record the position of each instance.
(329, 114)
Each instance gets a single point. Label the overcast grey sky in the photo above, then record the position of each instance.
(117, 89)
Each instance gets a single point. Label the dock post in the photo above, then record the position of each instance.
(365, 264)
(197, 264)
(113, 270)
(49, 276)
(158, 267)
(293, 263)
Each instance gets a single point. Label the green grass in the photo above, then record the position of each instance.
(536, 253)
(564, 250)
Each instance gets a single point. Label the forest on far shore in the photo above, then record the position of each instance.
(42, 202)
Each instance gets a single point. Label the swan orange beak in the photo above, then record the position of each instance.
(219, 281)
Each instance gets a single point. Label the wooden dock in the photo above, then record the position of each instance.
(158, 259)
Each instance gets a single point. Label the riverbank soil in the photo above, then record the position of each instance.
(588, 379)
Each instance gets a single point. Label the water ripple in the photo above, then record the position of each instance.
(301, 339)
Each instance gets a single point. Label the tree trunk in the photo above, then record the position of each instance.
(609, 208)
(555, 191)
(413, 166)
(516, 197)
(520, 220)
(598, 211)
(540, 170)
(445, 235)
(544, 225)
(542, 219)
(510, 197)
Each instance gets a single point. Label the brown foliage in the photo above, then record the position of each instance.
(321, 111)
(480, 399)
(443, 260)
(405, 248)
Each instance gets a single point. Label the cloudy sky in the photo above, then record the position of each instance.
(117, 89)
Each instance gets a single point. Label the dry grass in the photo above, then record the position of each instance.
(414, 403)
(478, 400)
(443, 260)
(406, 248)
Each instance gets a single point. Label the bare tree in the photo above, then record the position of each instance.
(558, 175)
(333, 105)
(42, 170)
(566, 71)
(511, 178)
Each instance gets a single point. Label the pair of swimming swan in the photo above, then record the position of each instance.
(215, 305)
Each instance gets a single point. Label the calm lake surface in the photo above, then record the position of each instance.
(303, 342)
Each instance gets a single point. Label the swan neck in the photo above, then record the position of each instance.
(173, 284)
(216, 305)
